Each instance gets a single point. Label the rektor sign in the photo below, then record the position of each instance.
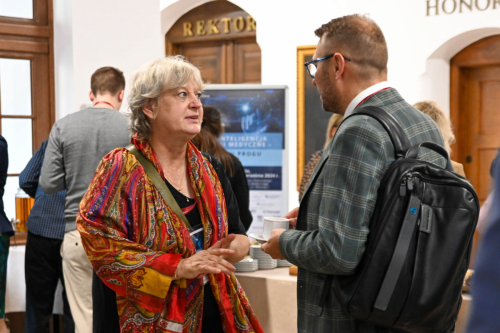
(216, 26)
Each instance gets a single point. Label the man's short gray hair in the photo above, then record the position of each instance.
(152, 80)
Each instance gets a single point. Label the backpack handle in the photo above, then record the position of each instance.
(396, 132)
(413, 152)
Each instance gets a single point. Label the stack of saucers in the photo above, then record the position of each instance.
(265, 260)
(284, 263)
(247, 265)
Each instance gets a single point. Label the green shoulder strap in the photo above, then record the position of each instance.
(158, 183)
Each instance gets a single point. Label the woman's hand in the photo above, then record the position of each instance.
(205, 262)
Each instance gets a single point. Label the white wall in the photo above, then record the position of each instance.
(63, 57)
(420, 46)
(89, 34)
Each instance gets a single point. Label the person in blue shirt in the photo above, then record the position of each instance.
(43, 261)
(6, 232)
(486, 280)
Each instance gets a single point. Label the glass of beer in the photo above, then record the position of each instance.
(23, 207)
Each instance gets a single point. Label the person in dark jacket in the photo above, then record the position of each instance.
(485, 288)
(6, 232)
(206, 141)
(43, 261)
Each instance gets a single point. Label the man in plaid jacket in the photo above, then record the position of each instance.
(349, 70)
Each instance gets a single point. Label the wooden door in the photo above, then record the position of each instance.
(219, 38)
(226, 61)
(482, 138)
(247, 67)
(475, 114)
(208, 57)
(475, 110)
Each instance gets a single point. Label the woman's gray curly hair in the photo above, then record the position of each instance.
(152, 80)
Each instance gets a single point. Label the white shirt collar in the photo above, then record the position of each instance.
(362, 95)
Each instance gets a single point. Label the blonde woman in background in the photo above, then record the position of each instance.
(333, 124)
(433, 110)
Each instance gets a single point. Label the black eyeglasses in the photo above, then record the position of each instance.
(311, 65)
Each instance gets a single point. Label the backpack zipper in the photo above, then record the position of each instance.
(406, 183)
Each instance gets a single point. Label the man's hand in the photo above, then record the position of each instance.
(272, 246)
(292, 216)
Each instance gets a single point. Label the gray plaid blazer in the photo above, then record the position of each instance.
(337, 205)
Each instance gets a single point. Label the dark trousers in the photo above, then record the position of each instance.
(104, 310)
(43, 270)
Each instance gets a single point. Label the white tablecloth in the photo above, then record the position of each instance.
(15, 298)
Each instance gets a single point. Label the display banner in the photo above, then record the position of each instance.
(253, 117)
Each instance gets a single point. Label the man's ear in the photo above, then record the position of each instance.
(150, 109)
(91, 96)
(120, 95)
(339, 65)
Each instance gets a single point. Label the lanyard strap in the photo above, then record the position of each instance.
(159, 184)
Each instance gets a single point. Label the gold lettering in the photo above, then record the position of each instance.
(495, 2)
(484, 8)
(226, 22)
(468, 5)
(443, 6)
(435, 6)
(200, 28)
(213, 30)
(239, 24)
(188, 32)
(252, 26)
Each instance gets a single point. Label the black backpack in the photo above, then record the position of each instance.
(418, 249)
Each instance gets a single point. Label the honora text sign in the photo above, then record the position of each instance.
(447, 7)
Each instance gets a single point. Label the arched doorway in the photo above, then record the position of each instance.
(220, 38)
(475, 109)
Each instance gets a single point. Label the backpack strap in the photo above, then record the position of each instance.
(413, 152)
(399, 255)
(396, 132)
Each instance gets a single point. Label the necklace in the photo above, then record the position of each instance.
(178, 189)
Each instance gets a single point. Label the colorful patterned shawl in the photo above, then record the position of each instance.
(135, 241)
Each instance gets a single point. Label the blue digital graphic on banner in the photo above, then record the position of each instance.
(253, 118)
(252, 140)
(264, 178)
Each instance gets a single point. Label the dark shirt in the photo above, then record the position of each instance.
(240, 188)
(104, 299)
(5, 226)
(46, 218)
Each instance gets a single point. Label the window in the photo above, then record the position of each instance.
(26, 84)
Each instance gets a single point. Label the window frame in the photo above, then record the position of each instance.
(33, 39)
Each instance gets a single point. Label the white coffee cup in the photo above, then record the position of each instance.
(271, 223)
